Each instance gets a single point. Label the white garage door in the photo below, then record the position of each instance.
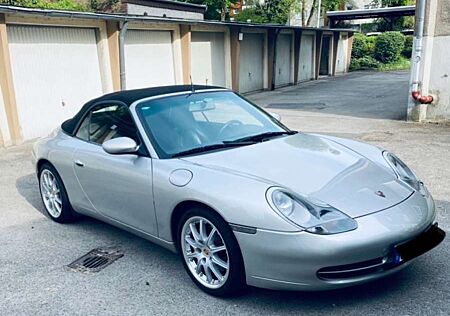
(208, 58)
(251, 72)
(283, 60)
(341, 61)
(306, 63)
(55, 71)
(148, 59)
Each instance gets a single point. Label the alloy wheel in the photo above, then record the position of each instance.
(51, 194)
(205, 252)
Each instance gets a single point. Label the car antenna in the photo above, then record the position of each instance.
(192, 85)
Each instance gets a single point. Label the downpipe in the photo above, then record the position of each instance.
(417, 58)
(122, 31)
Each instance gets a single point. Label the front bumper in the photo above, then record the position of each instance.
(292, 260)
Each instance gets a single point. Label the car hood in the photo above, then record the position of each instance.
(314, 167)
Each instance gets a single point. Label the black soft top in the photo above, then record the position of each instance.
(128, 97)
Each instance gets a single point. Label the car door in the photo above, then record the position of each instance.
(117, 186)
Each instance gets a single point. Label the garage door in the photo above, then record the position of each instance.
(55, 71)
(208, 58)
(251, 72)
(283, 60)
(341, 61)
(148, 59)
(306, 63)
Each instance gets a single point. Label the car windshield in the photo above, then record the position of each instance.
(204, 121)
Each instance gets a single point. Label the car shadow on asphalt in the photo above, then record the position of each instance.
(28, 188)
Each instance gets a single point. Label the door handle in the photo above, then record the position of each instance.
(79, 163)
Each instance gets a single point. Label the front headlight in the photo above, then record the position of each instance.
(403, 172)
(314, 216)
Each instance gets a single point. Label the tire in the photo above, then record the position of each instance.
(54, 195)
(206, 252)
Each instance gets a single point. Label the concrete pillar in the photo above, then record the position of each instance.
(349, 51)
(272, 36)
(7, 89)
(434, 75)
(336, 37)
(235, 51)
(318, 51)
(185, 37)
(297, 43)
(112, 30)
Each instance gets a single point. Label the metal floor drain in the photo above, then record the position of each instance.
(309, 106)
(96, 260)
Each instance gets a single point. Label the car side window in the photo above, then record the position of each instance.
(106, 122)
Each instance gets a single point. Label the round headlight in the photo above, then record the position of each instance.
(283, 202)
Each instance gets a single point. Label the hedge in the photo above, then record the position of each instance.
(389, 46)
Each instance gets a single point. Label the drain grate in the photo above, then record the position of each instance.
(96, 260)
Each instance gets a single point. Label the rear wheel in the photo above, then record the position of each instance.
(54, 196)
(210, 252)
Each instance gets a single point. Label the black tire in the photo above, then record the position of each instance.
(235, 283)
(67, 214)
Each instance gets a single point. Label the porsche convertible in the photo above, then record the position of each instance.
(243, 199)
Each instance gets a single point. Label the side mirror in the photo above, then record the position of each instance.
(275, 116)
(120, 146)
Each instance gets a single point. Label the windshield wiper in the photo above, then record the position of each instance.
(259, 137)
(212, 147)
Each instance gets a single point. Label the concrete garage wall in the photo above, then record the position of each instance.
(435, 70)
(50, 65)
(137, 9)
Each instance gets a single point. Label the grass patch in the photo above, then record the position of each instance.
(401, 64)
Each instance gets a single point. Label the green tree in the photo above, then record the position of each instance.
(215, 9)
(276, 11)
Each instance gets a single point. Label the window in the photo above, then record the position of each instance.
(106, 122)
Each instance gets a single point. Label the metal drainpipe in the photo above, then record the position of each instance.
(417, 58)
(123, 30)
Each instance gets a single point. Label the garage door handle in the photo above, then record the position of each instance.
(79, 163)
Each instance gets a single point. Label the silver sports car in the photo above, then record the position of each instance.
(243, 199)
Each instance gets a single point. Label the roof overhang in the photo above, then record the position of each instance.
(149, 19)
(372, 13)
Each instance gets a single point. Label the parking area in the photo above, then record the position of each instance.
(149, 280)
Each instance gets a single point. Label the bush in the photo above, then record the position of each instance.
(364, 63)
(388, 47)
(407, 50)
(363, 45)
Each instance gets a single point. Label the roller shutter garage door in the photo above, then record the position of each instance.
(306, 63)
(208, 58)
(148, 59)
(251, 72)
(283, 60)
(55, 71)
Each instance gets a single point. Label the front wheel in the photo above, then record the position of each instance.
(210, 252)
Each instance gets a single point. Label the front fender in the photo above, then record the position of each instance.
(238, 199)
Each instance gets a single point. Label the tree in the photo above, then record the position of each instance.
(276, 11)
(215, 9)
